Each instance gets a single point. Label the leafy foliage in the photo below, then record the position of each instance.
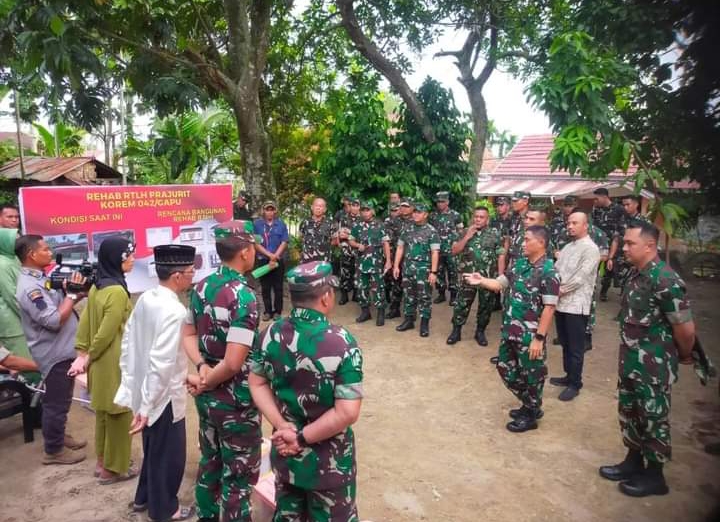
(69, 140)
(442, 165)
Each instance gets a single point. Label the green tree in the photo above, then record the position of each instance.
(441, 165)
(62, 141)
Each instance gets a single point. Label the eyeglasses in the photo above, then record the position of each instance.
(188, 272)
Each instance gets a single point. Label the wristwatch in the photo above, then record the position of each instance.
(301, 438)
(434, 272)
(199, 365)
(539, 337)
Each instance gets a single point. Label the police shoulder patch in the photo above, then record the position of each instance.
(37, 298)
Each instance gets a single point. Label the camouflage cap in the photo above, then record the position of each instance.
(394, 206)
(421, 207)
(310, 275)
(243, 194)
(442, 196)
(502, 200)
(570, 200)
(354, 200)
(520, 194)
(367, 204)
(237, 228)
(269, 204)
(406, 202)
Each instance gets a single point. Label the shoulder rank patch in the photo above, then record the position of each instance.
(36, 296)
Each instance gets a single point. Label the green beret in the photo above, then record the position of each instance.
(520, 194)
(442, 196)
(422, 207)
(242, 229)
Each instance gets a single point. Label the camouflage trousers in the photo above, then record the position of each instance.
(294, 504)
(447, 276)
(230, 440)
(524, 377)
(393, 289)
(591, 321)
(465, 299)
(371, 287)
(347, 272)
(643, 411)
(416, 290)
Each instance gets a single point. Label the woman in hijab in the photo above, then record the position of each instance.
(98, 339)
(11, 332)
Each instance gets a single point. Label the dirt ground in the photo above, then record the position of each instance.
(432, 443)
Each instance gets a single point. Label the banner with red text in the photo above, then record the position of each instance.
(75, 221)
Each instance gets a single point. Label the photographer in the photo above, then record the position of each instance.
(98, 340)
(49, 323)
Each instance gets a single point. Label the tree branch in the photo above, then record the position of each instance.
(208, 33)
(492, 56)
(260, 38)
(370, 51)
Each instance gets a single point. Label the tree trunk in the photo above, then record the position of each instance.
(21, 153)
(255, 152)
(370, 51)
(480, 127)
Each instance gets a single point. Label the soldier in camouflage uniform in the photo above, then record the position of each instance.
(631, 213)
(607, 216)
(345, 224)
(402, 223)
(419, 250)
(514, 239)
(534, 288)
(448, 224)
(480, 250)
(372, 243)
(393, 288)
(221, 329)
(503, 216)
(304, 368)
(656, 332)
(317, 234)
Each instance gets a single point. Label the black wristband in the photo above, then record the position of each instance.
(539, 337)
(301, 438)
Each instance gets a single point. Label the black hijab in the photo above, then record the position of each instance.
(113, 252)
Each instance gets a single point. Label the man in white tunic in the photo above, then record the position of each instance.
(153, 369)
(576, 266)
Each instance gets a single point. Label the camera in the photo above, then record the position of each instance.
(63, 272)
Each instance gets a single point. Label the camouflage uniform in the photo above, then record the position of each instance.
(370, 263)
(448, 224)
(621, 270)
(653, 301)
(531, 287)
(480, 255)
(309, 363)
(400, 226)
(224, 310)
(393, 288)
(502, 225)
(517, 237)
(347, 254)
(418, 242)
(608, 219)
(317, 239)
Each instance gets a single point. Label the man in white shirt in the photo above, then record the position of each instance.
(576, 266)
(153, 376)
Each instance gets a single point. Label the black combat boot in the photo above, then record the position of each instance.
(354, 296)
(380, 319)
(343, 297)
(454, 335)
(522, 411)
(407, 324)
(440, 297)
(494, 360)
(627, 469)
(424, 327)
(480, 337)
(525, 422)
(648, 482)
(453, 297)
(394, 312)
(364, 315)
